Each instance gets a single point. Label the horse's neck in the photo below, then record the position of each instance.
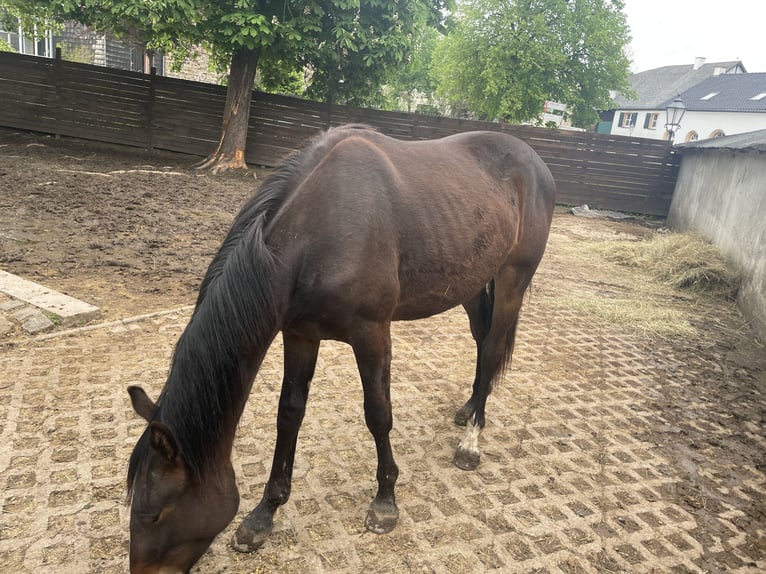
(248, 369)
(222, 347)
(204, 412)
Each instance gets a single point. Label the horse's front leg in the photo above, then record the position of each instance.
(300, 356)
(372, 349)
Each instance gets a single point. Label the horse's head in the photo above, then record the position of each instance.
(173, 518)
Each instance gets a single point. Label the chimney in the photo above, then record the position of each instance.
(698, 63)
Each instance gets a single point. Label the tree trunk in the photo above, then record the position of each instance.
(230, 153)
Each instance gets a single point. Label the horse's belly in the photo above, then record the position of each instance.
(412, 311)
(430, 296)
(445, 265)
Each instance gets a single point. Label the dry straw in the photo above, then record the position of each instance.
(650, 299)
(642, 316)
(680, 260)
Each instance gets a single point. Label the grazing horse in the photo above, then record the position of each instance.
(354, 231)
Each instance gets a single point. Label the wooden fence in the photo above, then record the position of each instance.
(58, 97)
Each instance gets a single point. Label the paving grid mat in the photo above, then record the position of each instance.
(589, 458)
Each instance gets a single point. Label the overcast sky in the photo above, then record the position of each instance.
(671, 32)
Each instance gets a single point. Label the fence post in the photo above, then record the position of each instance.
(150, 107)
(328, 103)
(58, 104)
(668, 176)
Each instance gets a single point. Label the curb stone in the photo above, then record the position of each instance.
(5, 325)
(28, 318)
(29, 306)
(36, 322)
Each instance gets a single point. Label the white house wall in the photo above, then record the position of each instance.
(704, 123)
(638, 130)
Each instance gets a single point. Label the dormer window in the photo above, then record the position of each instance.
(710, 96)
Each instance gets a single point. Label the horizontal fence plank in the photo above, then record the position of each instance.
(116, 106)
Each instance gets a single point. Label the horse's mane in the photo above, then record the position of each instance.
(234, 318)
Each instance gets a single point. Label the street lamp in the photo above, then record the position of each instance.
(673, 114)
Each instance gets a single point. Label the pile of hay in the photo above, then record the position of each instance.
(681, 260)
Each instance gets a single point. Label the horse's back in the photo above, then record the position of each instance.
(404, 230)
(481, 181)
(459, 171)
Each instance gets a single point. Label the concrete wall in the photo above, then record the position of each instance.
(721, 194)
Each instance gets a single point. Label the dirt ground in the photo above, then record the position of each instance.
(609, 448)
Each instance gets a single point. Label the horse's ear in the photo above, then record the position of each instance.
(142, 404)
(162, 441)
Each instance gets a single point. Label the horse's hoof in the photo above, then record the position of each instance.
(251, 534)
(467, 459)
(463, 415)
(382, 517)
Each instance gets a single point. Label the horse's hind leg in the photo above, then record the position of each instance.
(479, 311)
(300, 357)
(494, 354)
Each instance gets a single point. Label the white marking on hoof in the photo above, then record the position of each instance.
(470, 442)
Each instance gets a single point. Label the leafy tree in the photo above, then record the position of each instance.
(413, 79)
(348, 45)
(506, 57)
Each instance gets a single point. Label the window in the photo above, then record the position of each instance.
(38, 44)
(710, 96)
(650, 122)
(759, 96)
(717, 134)
(692, 136)
(628, 119)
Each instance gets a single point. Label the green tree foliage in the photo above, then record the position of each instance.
(505, 58)
(347, 46)
(412, 83)
(368, 46)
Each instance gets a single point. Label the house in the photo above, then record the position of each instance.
(553, 114)
(81, 44)
(723, 105)
(729, 111)
(23, 44)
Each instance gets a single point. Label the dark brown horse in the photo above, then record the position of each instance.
(354, 231)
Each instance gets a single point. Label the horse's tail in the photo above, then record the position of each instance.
(486, 308)
(508, 338)
(487, 304)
